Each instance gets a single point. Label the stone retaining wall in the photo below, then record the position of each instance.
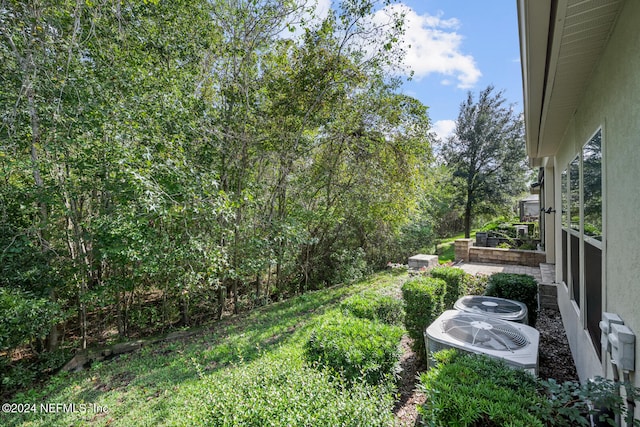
(506, 256)
(465, 251)
(461, 247)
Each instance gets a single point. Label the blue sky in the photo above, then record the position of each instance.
(460, 46)
(456, 46)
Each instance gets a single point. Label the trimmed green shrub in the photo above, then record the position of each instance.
(355, 348)
(373, 306)
(518, 287)
(284, 392)
(423, 302)
(474, 390)
(455, 280)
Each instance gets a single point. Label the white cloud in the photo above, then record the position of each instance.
(322, 8)
(444, 128)
(311, 13)
(433, 46)
(431, 42)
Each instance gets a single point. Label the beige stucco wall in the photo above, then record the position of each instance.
(612, 102)
(549, 219)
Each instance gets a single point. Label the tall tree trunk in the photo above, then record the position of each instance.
(184, 309)
(234, 289)
(78, 253)
(267, 291)
(279, 270)
(221, 298)
(53, 336)
(467, 215)
(236, 258)
(165, 309)
(307, 254)
(120, 314)
(281, 215)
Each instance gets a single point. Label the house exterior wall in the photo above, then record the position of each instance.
(611, 103)
(549, 219)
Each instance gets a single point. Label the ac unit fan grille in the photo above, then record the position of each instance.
(514, 343)
(502, 308)
(485, 334)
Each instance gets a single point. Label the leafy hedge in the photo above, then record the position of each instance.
(519, 287)
(455, 280)
(374, 306)
(473, 390)
(284, 392)
(423, 302)
(25, 317)
(355, 348)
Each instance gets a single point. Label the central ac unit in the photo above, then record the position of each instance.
(515, 343)
(502, 308)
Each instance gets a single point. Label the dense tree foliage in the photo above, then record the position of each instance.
(486, 155)
(164, 161)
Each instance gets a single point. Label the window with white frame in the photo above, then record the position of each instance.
(581, 223)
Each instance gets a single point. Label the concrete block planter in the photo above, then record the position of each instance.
(423, 261)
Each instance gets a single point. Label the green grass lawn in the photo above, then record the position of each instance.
(446, 247)
(231, 373)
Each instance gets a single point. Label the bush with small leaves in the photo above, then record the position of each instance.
(423, 302)
(455, 280)
(25, 317)
(474, 390)
(355, 348)
(572, 403)
(475, 284)
(518, 287)
(277, 391)
(374, 306)
(349, 266)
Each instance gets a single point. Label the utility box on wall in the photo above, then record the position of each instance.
(623, 345)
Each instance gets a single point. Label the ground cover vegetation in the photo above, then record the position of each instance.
(250, 370)
(355, 348)
(266, 367)
(163, 164)
(474, 390)
(375, 306)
